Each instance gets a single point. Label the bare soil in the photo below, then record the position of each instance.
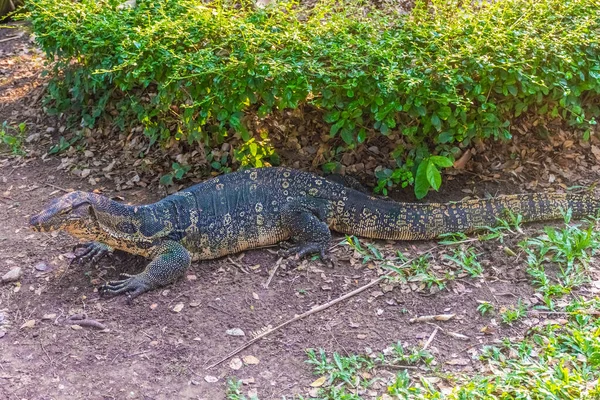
(149, 351)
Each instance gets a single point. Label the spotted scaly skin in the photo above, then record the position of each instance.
(260, 207)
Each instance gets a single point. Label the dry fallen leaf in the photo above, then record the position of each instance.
(28, 324)
(319, 382)
(596, 152)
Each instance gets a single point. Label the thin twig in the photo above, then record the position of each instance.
(317, 309)
(47, 355)
(218, 309)
(10, 38)
(272, 274)
(237, 264)
(56, 187)
(430, 338)
(564, 312)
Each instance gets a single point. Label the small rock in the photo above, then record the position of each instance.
(195, 304)
(85, 173)
(247, 381)
(2, 333)
(178, 307)
(235, 332)
(12, 275)
(250, 360)
(34, 137)
(253, 393)
(41, 266)
(235, 363)
(48, 316)
(211, 379)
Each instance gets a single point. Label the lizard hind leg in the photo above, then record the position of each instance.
(170, 262)
(309, 233)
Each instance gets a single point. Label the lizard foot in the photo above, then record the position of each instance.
(299, 251)
(91, 252)
(132, 285)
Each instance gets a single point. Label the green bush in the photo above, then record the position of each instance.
(8, 6)
(441, 76)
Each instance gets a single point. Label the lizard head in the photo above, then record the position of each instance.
(72, 213)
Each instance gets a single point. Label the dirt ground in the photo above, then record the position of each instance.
(150, 351)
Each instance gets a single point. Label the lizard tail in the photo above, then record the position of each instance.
(381, 219)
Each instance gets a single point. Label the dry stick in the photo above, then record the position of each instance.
(272, 274)
(56, 187)
(9, 38)
(316, 310)
(430, 338)
(564, 312)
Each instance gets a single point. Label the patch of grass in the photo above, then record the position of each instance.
(466, 260)
(12, 137)
(559, 260)
(348, 377)
(513, 313)
(234, 391)
(504, 226)
(555, 361)
(485, 308)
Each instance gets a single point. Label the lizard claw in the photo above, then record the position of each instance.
(132, 285)
(91, 253)
(303, 250)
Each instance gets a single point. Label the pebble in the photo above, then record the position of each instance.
(12, 275)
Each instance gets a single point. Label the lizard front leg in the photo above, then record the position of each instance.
(92, 252)
(170, 261)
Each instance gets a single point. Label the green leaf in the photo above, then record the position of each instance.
(436, 122)
(348, 136)
(166, 180)
(445, 137)
(362, 136)
(421, 182)
(253, 148)
(336, 127)
(441, 161)
(444, 112)
(433, 175)
(331, 116)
